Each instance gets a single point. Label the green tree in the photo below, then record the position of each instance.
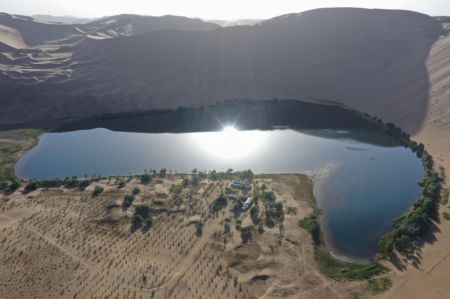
(128, 200)
(97, 191)
(143, 211)
(146, 178)
(136, 191)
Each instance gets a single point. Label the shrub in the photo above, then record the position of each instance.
(176, 189)
(199, 228)
(246, 233)
(122, 184)
(31, 186)
(136, 191)
(97, 191)
(226, 228)
(177, 200)
(127, 200)
(218, 204)
(146, 178)
(310, 224)
(143, 211)
(137, 221)
(254, 213)
(15, 184)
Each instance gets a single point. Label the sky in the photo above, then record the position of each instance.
(208, 9)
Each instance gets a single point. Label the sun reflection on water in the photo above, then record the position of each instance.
(231, 143)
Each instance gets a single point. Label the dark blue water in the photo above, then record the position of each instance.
(367, 178)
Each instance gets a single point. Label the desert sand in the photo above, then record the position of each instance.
(430, 278)
(62, 243)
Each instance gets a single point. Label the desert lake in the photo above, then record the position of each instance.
(362, 183)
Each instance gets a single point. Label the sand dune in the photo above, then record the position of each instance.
(353, 56)
(126, 25)
(11, 37)
(430, 278)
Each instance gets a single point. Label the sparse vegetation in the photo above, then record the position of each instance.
(14, 143)
(128, 257)
(380, 285)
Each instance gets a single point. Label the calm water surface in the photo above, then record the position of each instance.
(370, 180)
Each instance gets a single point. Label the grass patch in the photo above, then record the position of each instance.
(446, 215)
(8, 155)
(378, 286)
(22, 133)
(11, 148)
(341, 271)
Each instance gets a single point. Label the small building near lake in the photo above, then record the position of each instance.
(241, 185)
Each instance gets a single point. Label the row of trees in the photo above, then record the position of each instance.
(407, 228)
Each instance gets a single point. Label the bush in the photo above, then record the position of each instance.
(122, 184)
(31, 186)
(177, 200)
(254, 215)
(246, 233)
(146, 178)
(143, 211)
(218, 204)
(226, 228)
(199, 228)
(97, 191)
(176, 189)
(127, 200)
(137, 221)
(136, 191)
(15, 184)
(312, 226)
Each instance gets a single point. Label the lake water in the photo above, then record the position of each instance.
(371, 179)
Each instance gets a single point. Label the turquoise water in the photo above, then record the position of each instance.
(367, 177)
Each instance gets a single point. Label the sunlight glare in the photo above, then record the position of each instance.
(231, 143)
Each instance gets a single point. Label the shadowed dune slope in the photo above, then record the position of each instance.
(371, 60)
